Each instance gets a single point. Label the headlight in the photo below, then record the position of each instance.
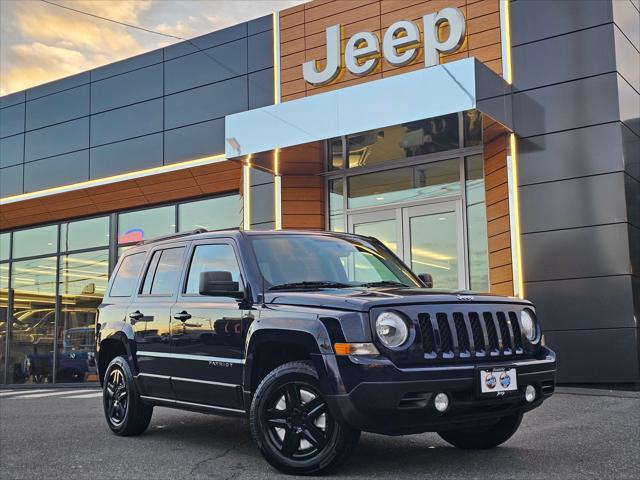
(391, 329)
(528, 325)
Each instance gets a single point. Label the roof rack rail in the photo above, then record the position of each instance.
(173, 235)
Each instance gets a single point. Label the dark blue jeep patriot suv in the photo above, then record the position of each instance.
(314, 337)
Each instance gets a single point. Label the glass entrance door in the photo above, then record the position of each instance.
(428, 238)
(383, 225)
(434, 242)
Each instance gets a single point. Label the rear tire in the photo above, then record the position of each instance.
(292, 425)
(482, 438)
(125, 412)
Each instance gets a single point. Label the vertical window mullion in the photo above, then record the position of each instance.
(58, 308)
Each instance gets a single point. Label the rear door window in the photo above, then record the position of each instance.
(163, 272)
(125, 281)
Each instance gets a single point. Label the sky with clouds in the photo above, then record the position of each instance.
(41, 42)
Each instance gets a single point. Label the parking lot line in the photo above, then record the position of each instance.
(52, 394)
(6, 393)
(88, 395)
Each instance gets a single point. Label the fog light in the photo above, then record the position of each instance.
(530, 393)
(441, 402)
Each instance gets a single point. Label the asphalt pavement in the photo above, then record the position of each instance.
(578, 433)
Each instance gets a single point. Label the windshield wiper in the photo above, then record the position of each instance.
(383, 283)
(309, 285)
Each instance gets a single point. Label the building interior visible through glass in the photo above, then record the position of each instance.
(58, 275)
(430, 211)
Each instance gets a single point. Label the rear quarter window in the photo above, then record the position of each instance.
(127, 275)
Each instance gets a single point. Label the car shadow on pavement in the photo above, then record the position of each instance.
(225, 444)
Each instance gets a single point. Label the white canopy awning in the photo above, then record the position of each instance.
(447, 88)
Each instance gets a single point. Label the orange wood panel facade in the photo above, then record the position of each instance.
(303, 202)
(495, 141)
(302, 36)
(221, 177)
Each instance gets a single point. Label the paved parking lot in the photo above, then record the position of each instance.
(61, 434)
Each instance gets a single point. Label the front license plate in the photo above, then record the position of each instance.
(498, 381)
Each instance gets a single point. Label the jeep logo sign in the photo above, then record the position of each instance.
(400, 46)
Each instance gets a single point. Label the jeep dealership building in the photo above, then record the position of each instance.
(494, 144)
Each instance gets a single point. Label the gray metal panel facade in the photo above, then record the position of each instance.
(577, 111)
(162, 107)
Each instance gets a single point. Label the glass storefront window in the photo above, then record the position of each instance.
(336, 205)
(146, 224)
(83, 280)
(477, 224)
(32, 329)
(4, 306)
(49, 276)
(212, 214)
(5, 244)
(406, 140)
(472, 128)
(35, 241)
(335, 154)
(82, 234)
(427, 181)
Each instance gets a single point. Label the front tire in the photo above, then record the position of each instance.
(125, 412)
(292, 425)
(482, 438)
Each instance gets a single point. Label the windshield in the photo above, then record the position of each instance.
(313, 261)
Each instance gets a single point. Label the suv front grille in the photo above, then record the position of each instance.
(490, 334)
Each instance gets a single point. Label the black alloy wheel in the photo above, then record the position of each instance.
(292, 425)
(298, 421)
(124, 410)
(117, 397)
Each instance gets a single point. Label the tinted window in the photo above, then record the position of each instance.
(125, 280)
(151, 270)
(35, 241)
(212, 214)
(403, 141)
(431, 180)
(211, 258)
(167, 272)
(145, 224)
(5, 239)
(84, 234)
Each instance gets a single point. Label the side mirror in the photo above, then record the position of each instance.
(427, 279)
(219, 284)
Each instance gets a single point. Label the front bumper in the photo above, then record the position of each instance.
(374, 395)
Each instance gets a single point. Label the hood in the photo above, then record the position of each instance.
(363, 299)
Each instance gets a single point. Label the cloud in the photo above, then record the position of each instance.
(52, 25)
(46, 42)
(39, 63)
(41, 42)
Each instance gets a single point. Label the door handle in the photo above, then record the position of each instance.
(182, 316)
(137, 315)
